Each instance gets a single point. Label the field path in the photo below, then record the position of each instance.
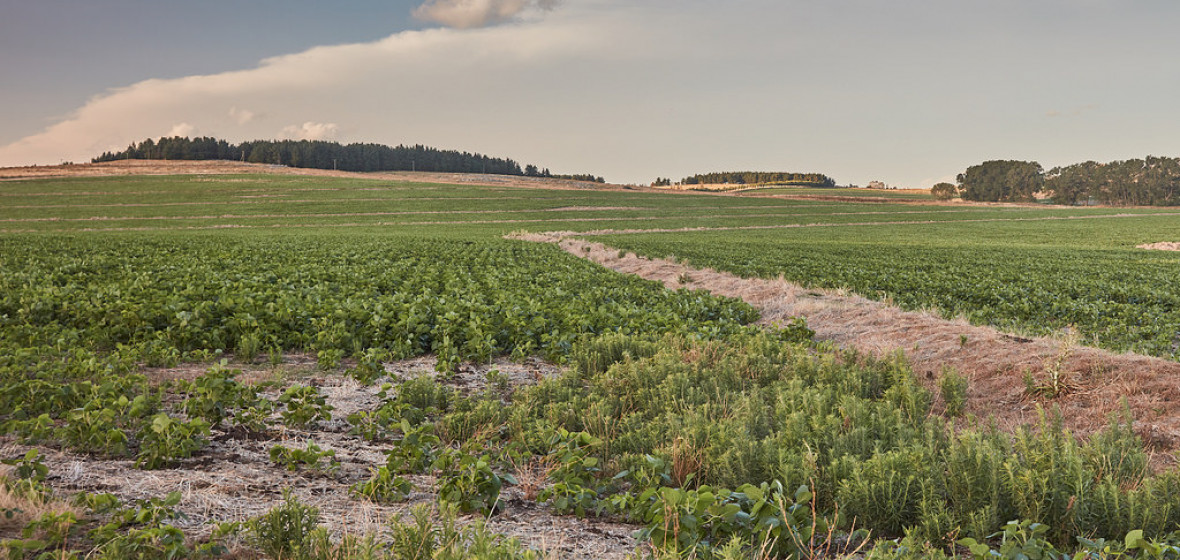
(1094, 381)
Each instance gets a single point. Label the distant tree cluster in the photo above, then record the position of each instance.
(760, 178)
(662, 182)
(580, 177)
(1151, 181)
(534, 171)
(1002, 181)
(326, 155)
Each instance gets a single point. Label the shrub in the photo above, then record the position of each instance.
(284, 529)
(953, 389)
(435, 535)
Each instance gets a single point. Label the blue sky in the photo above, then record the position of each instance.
(906, 91)
(56, 54)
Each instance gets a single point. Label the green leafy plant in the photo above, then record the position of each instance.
(163, 542)
(98, 503)
(165, 440)
(101, 424)
(42, 537)
(383, 486)
(304, 406)
(142, 530)
(1019, 540)
(32, 430)
(469, 482)
(573, 472)
(30, 466)
(382, 422)
(415, 451)
(311, 457)
(370, 365)
(329, 358)
(215, 395)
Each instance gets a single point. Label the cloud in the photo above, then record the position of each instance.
(182, 129)
(241, 116)
(465, 14)
(443, 87)
(310, 131)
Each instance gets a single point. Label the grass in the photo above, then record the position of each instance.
(838, 191)
(163, 203)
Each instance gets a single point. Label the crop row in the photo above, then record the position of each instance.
(164, 300)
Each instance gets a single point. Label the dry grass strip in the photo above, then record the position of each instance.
(995, 362)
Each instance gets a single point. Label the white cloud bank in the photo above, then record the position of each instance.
(241, 116)
(182, 129)
(310, 131)
(393, 89)
(466, 14)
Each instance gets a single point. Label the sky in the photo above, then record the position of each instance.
(909, 92)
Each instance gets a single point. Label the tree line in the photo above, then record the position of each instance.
(758, 178)
(1151, 181)
(316, 154)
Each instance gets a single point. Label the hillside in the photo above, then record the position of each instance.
(223, 167)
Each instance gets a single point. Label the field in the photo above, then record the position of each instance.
(892, 194)
(221, 363)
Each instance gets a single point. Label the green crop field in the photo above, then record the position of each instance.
(247, 329)
(841, 191)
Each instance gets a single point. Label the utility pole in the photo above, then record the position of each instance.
(413, 166)
(333, 164)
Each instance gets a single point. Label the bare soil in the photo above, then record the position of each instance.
(1161, 246)
(1092, 382)
(233, 479)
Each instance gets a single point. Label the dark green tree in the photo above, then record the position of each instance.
(330, 155)
(944, 191)
(761, 178)
(1002, 181)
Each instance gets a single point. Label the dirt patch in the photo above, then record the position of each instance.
(1093, 382)
(1161, 246)
(233, 479)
